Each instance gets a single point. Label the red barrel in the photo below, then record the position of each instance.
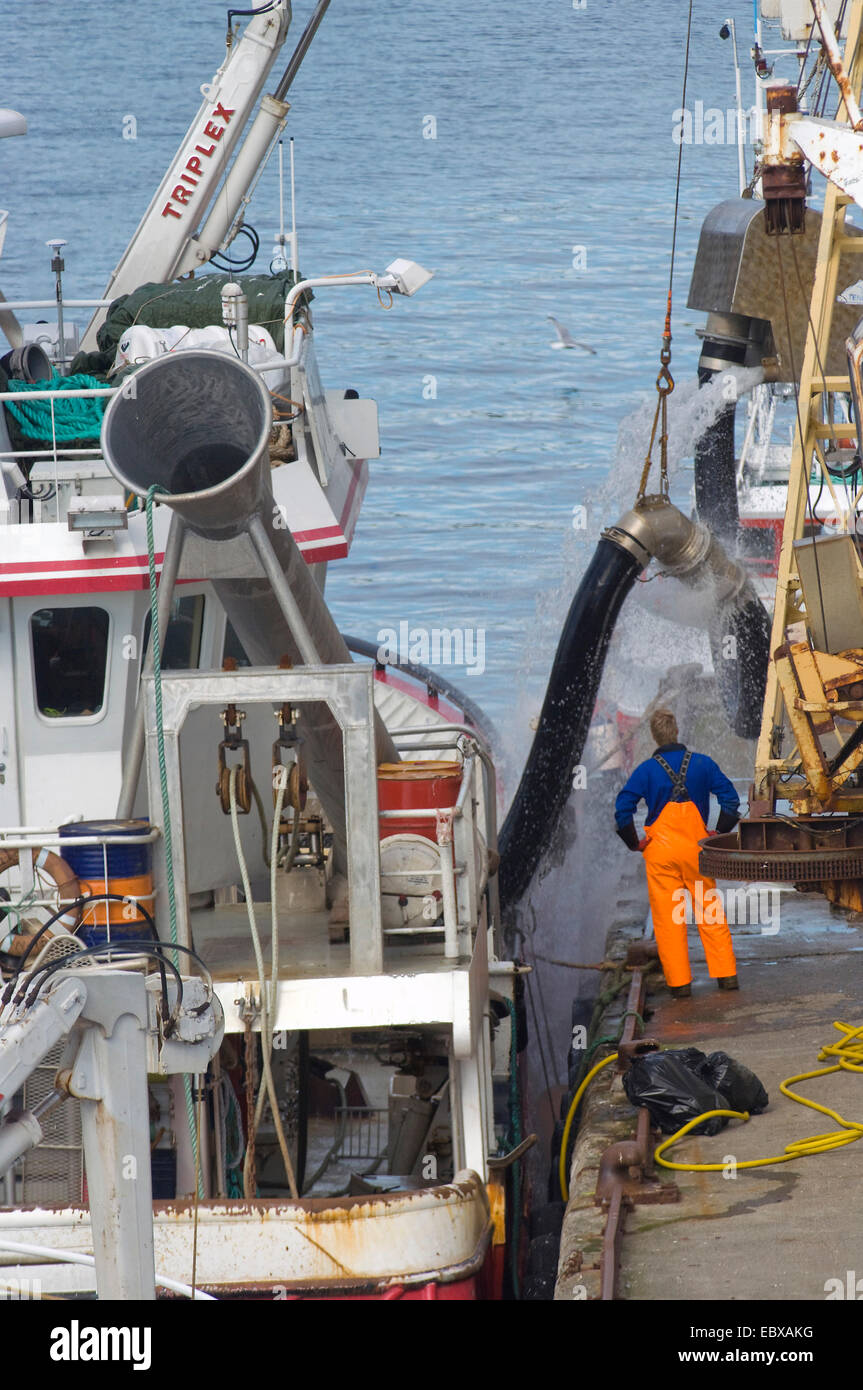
(411, 786)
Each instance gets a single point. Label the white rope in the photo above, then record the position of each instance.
(266, 1033)
(274, 938)
(274, 916)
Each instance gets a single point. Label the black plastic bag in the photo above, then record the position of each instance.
(737, 1083)
(672, 1087)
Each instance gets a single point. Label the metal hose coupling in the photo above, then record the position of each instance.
(657, 530)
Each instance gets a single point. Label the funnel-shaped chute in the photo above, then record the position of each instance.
(197, 424)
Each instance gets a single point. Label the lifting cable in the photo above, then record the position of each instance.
(665, 381)
(267, 997)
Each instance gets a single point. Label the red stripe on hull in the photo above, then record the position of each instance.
(128, 580)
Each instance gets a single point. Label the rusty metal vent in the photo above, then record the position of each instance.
(54, 1170)
(785, 867)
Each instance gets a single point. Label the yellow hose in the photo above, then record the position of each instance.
(849, 1054)
(564, 1185)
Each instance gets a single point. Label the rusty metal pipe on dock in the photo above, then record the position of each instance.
(198, 425)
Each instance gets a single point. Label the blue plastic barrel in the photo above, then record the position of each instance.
(124, 861)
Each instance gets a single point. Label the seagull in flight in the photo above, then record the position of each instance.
(565, 339)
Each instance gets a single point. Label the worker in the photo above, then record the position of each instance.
(676, 784)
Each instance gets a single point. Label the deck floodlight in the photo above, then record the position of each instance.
(403, 277)
(97, 515)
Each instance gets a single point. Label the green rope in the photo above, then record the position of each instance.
(166, 800)
(16, 910)
(75, 418)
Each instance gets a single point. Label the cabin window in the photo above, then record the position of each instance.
(70, 657)
(181, 642)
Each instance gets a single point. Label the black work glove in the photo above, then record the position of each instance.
(727, 821)
(629, 835)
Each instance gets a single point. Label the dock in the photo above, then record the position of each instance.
(784, 1232)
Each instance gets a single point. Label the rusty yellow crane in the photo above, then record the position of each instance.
(810, 747)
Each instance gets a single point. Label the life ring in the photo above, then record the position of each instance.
(68, 887)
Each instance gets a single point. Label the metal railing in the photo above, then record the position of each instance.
(364, 1130)
(56, 452)
(35, 838)
(454, 831)
(460, 880)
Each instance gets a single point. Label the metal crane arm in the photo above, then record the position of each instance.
(177, 209)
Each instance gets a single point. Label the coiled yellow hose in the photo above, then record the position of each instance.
(849, 1055)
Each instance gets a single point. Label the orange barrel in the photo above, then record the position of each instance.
(125, 920)
(416, 785)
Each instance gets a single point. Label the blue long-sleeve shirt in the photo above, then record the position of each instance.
(650, 783)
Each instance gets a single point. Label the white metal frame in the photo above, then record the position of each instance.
(454, 997)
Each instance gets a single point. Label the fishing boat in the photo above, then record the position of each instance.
(260, 1037)
(263, 1028)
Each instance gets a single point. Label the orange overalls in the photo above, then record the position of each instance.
(671, 858)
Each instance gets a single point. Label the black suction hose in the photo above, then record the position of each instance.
(739, 638)
(565, 719)
(740, 647)
(739, 642)
(716, 472)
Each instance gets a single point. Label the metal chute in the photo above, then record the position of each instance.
(197, 424)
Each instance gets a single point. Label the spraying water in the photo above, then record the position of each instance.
(579, 891)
